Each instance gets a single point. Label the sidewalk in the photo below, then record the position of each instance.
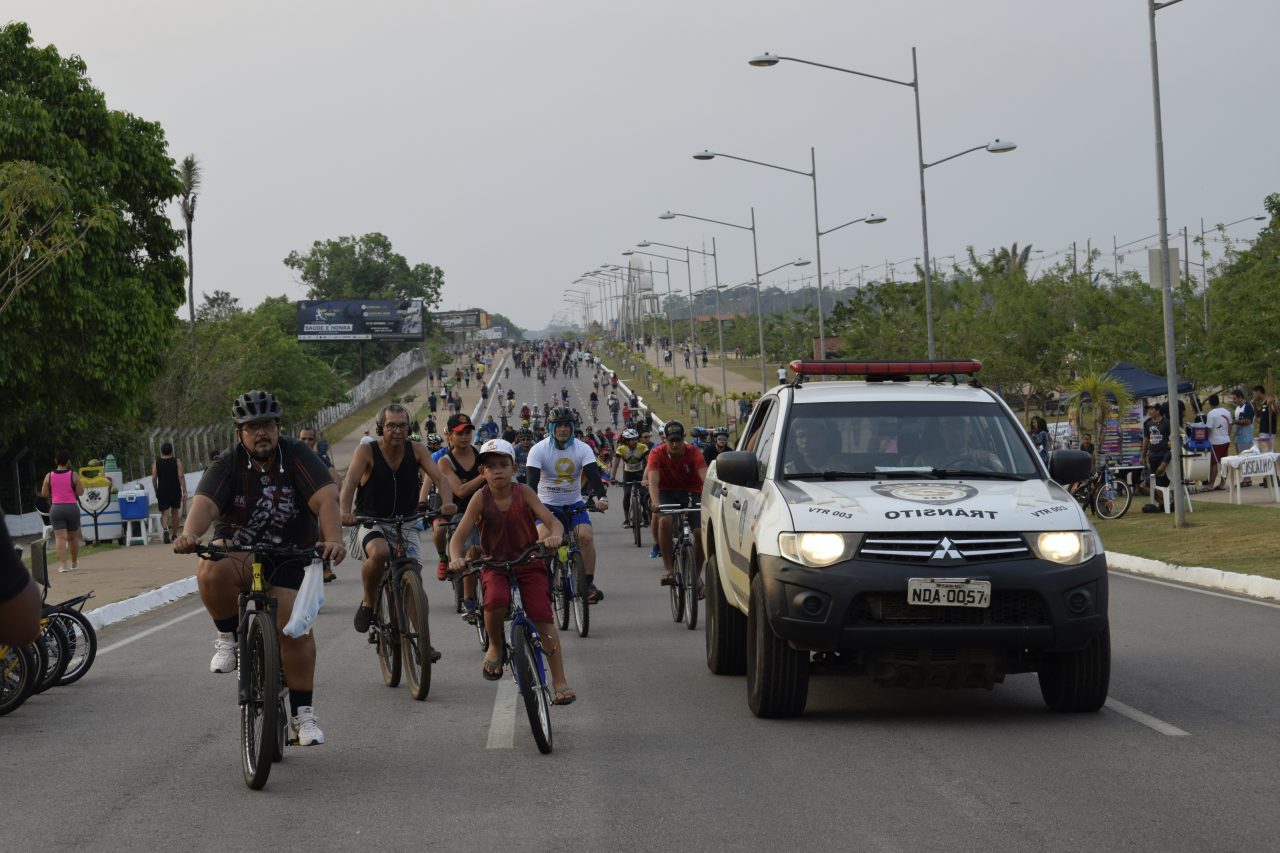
(127, 573)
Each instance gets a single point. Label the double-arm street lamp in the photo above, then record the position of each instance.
(583, 296)
(768, 60)
(818, 233)
(688, 265)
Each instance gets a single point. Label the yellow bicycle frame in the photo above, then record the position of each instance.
(257, 576)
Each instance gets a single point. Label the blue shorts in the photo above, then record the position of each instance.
(571, 515)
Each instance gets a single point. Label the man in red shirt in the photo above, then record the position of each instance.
(674, 476)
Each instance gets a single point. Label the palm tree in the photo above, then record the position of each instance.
(189, 175)
(1096, 393)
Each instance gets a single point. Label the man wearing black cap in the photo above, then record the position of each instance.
(675, 473)
(461, 468)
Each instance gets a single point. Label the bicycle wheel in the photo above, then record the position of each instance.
(39, 655)
(1112, 499)
(17, 666)
(82, 641)
(259, 714)
(581, 589)
(677, 585)
(54, 638)
(531, 682)
(388, 643)
(636, 515)
(415, 634)
(482, 633)
(690, 582)
(560, 589)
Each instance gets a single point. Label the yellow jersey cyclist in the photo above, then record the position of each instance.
(265, 487)
(631, 455)
(555, 470)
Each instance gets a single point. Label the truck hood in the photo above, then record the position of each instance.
(874, 505)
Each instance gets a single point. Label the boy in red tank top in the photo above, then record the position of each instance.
(505, 512)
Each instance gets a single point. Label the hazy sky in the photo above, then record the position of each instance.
(518, 144)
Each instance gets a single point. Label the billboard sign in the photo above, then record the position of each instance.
(461, 321)
(360, 320)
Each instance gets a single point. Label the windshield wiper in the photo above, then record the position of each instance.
(976, 475)
(829, 475)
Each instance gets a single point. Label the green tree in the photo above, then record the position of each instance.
(1097, 396)
(83, 344)
(190, 176)
(37, 225)
(218, 305)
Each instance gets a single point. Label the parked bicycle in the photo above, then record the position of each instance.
(523, 650)
(1108, 496)
(401, 626)
(684, 583)
(569, 588)
(263, 696)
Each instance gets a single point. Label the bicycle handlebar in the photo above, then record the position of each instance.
(397, 520)
(268, 549)
(534, 551)
(677, 509)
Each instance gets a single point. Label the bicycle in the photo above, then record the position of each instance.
(569, 576)
(400, 628)
(684, 582)
(262, 693)
(1108, 496)
(20, 667)
(523, 650)
(638, 510)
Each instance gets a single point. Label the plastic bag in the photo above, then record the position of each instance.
(308, 601)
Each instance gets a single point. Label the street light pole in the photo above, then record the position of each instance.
(1170, 356)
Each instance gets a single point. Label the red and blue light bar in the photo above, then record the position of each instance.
(968, 366)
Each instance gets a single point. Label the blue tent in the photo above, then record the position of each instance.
(1143, 384)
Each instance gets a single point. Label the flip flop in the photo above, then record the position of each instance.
(565, 696)
(491, 670)
(667, 580)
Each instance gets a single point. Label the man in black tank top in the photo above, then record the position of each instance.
(170, 483)
(386, 472)
(461, 468)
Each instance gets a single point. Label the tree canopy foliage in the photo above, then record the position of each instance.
(87, 336)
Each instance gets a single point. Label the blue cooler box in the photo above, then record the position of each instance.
(134, 506)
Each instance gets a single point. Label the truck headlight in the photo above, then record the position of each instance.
(818, 550)
(1066, 547)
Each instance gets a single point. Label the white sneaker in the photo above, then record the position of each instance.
(303, 728)
(224, 653)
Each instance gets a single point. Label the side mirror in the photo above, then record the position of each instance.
(738, 467)
(1070, 466)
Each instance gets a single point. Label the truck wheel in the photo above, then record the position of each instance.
(777, 675)
(726, 628)
(1077, 681)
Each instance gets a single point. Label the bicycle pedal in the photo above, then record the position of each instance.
(373, 638)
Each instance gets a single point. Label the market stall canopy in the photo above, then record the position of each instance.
(1143, 384)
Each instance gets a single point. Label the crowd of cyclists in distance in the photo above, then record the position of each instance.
(530, 472)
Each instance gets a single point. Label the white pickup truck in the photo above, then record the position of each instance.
(898, 523)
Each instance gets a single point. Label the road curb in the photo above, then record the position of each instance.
(118, 611)
(1241, 584)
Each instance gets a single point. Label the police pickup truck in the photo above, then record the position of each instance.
(898, 523)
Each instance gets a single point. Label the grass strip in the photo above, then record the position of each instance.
(1217, 536)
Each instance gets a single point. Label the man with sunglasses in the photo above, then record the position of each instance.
(386, 472)
(674, 474)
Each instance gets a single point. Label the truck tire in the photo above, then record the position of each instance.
(726, 627)
(777, 675)
(1077, 681)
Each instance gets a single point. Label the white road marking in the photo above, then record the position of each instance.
(138, 636)
(1146, 719)
(502, 725)
(1242, 599)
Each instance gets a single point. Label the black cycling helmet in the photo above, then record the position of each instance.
(561, 414)
(255, 406)
(524, 433)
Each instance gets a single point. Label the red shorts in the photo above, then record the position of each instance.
(1220, 450)
(535, 590)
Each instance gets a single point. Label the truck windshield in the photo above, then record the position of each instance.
(892, 438)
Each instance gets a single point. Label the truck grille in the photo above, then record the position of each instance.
(939, 549)
(1008, 607)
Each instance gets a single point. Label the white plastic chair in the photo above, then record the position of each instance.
(1166, 492)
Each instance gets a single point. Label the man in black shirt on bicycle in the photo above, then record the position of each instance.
(265, 487)
(386, 472)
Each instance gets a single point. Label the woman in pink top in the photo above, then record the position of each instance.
(63, 487)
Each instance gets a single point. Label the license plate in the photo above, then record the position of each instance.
(948, 592)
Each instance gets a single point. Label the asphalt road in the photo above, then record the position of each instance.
(657, 753)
